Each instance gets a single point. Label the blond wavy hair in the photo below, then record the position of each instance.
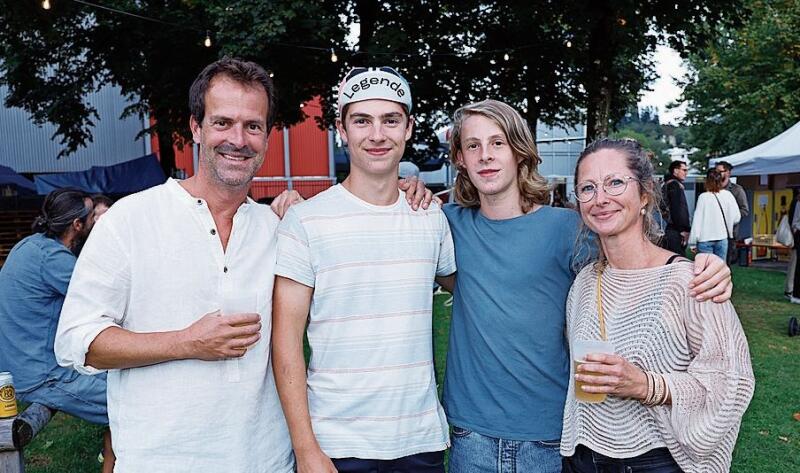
(533, 188)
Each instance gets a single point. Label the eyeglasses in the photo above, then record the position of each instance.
(612, 185)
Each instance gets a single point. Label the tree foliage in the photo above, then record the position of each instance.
(559, 62)
(50, 59)
(743, 88)
(643, 125)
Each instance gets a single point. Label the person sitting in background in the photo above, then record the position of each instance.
(680, 376)
(715, 215)
(101, 204)
(33, 284)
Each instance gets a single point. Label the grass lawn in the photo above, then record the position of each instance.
(769, 440)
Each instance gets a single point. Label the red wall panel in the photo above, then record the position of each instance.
(308, 144)
(273, 162)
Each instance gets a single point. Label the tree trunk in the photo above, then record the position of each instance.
(598, 77)
(533, 114)
(166, 152)
(534, 110)
(597, 113)
(367, 12)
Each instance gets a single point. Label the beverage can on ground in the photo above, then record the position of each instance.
(8, 397)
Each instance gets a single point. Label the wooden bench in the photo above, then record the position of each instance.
(17, 432)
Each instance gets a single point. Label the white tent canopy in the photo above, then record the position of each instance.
(780, 155)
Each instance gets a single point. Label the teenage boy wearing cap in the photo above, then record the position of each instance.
(362, 262)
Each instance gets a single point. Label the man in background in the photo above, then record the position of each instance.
(725, 168)
(792, 273)
(675, 210)
(101, 205)
(33, 283)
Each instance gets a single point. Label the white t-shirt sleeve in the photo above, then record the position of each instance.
(447, 258)
(97, 297)
(294, 254)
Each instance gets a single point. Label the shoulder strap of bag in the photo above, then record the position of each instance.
(724, 220)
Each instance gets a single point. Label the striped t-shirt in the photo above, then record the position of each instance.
(371, 385)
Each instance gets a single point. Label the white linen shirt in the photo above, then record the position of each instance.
(155, 263)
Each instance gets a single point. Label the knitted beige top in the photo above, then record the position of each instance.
(700, 349)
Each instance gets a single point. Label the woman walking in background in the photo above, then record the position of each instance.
(715, 215)
(671, 390)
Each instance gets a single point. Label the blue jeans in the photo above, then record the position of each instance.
(472, 452)
(718, 247)
(428, 462)
(82, 396)
(586, 460)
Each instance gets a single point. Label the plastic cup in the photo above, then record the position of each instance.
(581, 348)
(237, 303)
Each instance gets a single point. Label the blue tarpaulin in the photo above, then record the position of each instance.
(123, 178)
(9, 177)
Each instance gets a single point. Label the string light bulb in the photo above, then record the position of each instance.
(333, 56)
(46, 4)
(430, 63)
(271, 74)
(569, 44)
(505, 56)
(207, 42)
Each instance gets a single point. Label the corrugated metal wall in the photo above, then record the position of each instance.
(309, 145)
(273, 162)
(559, 149)
(25, 147)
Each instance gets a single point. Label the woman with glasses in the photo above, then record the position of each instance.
(670, 390)
(715, 215)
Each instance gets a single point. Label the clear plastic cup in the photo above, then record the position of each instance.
(581, 348)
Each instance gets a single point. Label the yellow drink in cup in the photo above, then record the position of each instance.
(581, 348)
(582, 395)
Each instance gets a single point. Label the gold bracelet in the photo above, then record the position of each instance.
(665, 394)
(659, 389)
(647, 401)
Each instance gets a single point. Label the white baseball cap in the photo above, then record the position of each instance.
(365, 83)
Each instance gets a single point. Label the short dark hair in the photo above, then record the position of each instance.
(243, 72)
(675, 165)
(728, 166)
(100, 199)
(60, 208)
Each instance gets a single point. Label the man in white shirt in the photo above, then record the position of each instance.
(189, 388)
(363, 262)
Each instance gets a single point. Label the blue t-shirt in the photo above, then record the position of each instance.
(507, 363)
(33, 284)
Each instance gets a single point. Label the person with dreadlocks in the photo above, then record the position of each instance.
(33, 284)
